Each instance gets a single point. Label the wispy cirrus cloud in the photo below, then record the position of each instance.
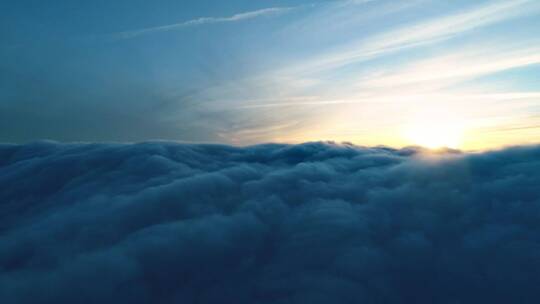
(206, 20)
(445, 70)
(419, 34)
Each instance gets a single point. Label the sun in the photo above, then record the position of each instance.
(435, 136)
(435, 131)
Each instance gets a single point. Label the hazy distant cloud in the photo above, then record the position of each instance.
(310, 223)
(207, 20)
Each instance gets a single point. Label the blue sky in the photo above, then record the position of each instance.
(455, 73)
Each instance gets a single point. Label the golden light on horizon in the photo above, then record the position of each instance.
(435, 136)
(435, 129)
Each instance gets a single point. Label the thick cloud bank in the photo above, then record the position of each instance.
(311, 223)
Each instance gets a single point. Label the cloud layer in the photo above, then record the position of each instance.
(311, 223)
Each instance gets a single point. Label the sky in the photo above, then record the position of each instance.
(462, 74)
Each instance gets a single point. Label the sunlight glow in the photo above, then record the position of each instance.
(434, 137)
(435, 130)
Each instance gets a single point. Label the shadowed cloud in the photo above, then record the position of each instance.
(312, 223)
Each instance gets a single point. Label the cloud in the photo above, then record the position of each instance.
(206, 20)
(311, 223)
(456, 67)
(422, 33)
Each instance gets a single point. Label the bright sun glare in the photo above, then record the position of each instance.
(434, 131)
